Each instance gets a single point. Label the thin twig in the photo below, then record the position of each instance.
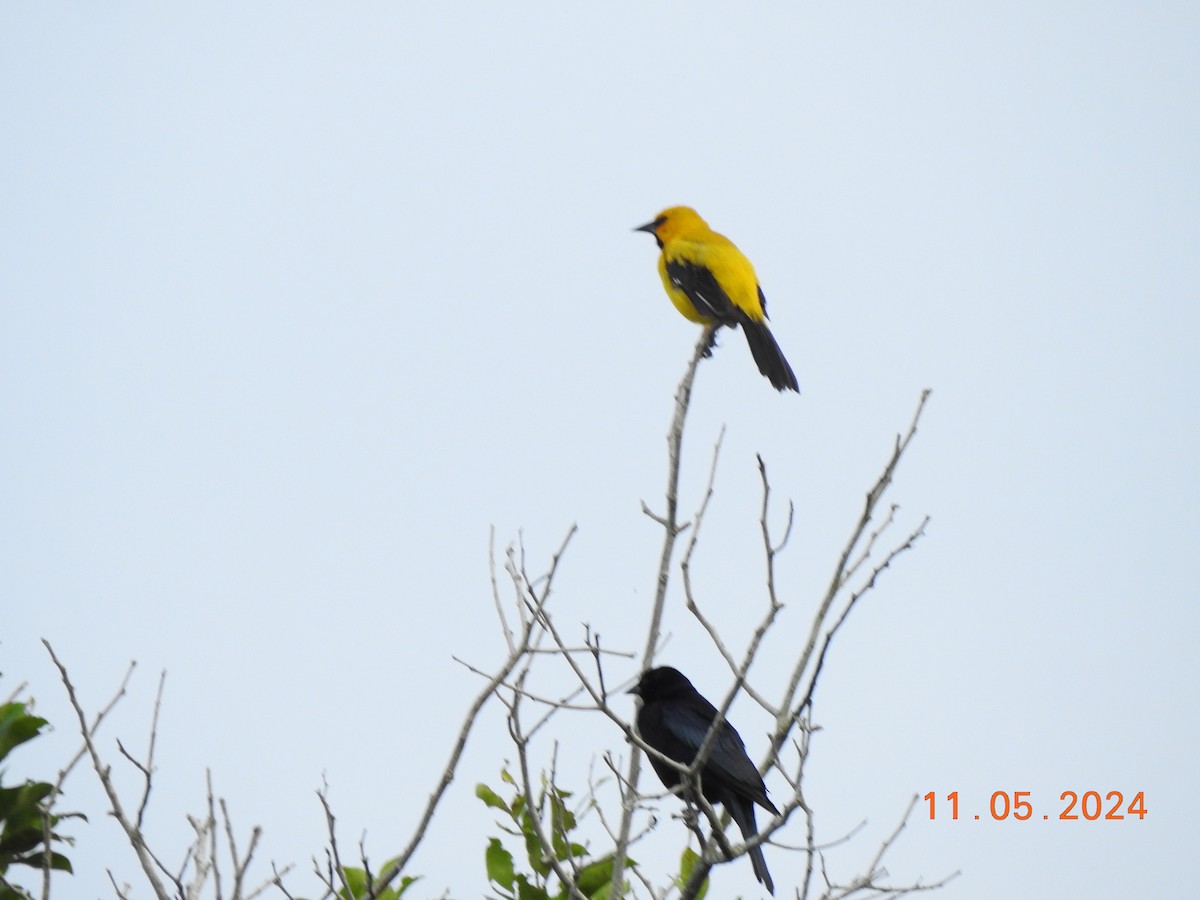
(66, 770)
(671, 529)
(508, 633)
(331, 828)
(916, 535)
(501, 675)
(149, 767)
(531, 806)
(102, 771)
(875, 871)
(207, 840)
(786, 716)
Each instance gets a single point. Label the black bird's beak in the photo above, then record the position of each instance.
(650, 227)
(637, 688)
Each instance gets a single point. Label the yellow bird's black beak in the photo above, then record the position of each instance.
(651, 227)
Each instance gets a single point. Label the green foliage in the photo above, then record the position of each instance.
(17, 726)
(359, 884)
(593, 877)
(687, 863)
(26, 823)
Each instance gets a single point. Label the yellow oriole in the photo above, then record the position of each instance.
(710, 281)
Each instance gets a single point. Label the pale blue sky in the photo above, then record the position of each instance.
(299, 300)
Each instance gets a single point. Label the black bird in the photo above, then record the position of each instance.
(674, 720)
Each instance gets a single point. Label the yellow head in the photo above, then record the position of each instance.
(678, 221)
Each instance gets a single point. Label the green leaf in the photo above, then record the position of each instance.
(389, 863)
(37, 860)
(394, 893)
(499, 864)
(533, 847)
(595, 876)
(595, 879)
(687, 863)
(23, 823)
(17, 726)
(356, 881)
(559, 845)
(490, 797)
(527, 891)
(564, 819)
(9, 798)
(34, 792)
(24, 800)
(390, 893)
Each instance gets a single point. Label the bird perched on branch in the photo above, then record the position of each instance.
(711, 282)
(674, 719)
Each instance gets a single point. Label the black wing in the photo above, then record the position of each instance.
(702, 289)
(727, 765)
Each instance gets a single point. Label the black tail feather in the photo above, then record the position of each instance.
(767, 355)
(742, 812)
(760, 870)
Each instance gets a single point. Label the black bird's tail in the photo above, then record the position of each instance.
(742, 812)
(760, 870)
(767, 354)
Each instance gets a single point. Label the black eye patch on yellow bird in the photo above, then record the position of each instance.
(652, 228)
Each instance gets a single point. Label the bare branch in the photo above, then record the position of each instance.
(508, 634)
(772, 550)
(122, 892)
(519, 650)
(331, 829)
(239, 868)
(206, 837)
(277, 880)
(916, 534)
(858, 550)
(671, 529)
(56, 791)
(531, 805)
(868, 882)
(148, 769)
(97, 719)
(786, 716)
(103, 771)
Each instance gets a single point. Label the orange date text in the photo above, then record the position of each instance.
(1072, 806)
